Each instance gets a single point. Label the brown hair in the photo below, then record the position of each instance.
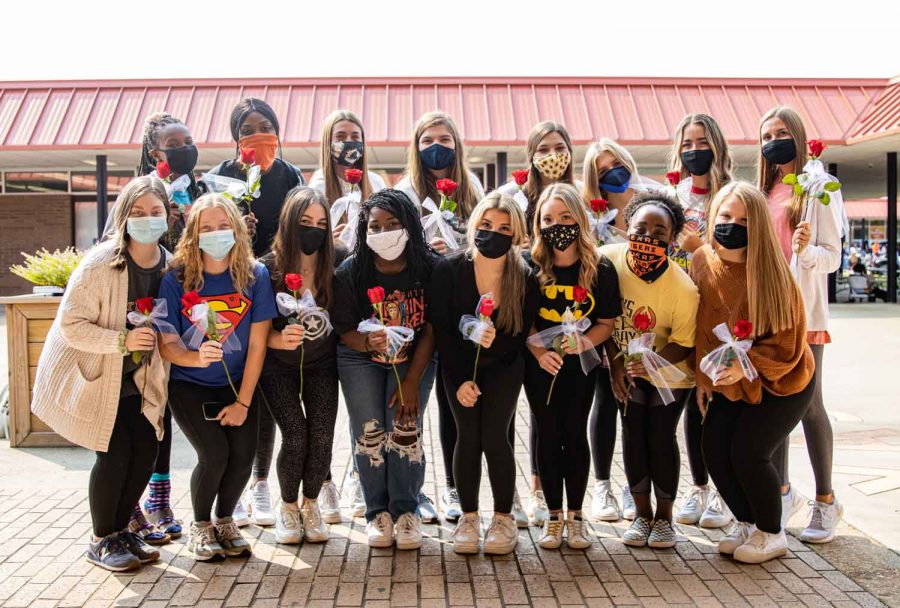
(721, 171)
(542, 254)
(333, 188)
(133, 190)
(532, 188)
(766, 171)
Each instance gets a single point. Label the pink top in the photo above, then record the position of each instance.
(779, 208)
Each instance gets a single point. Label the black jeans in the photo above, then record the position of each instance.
(563, 454)
(224, 453)
(484, 429)
(307, 432)
(120, 474)
(652, 459)
(693, 439)
(738, 442)
(164, 455)
(603, 426)
(265, 445)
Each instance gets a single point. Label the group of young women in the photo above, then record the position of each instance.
(194, 311)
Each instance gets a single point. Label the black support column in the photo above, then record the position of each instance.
(832, 277)
(892, 227)
(102, 195)
(502, 171)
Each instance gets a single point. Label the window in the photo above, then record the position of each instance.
(39, 182)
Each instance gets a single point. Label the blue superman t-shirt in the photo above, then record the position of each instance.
(238, 310)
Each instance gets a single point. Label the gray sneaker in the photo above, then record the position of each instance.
(629, 511)
(202, 542)
(111, 554)
(230, 538)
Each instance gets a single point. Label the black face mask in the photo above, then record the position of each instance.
(697, 162)
(311, 239)
(780, 151)
(731, 236)
(181, 160)
(492, 244)
(561, 236)
(347, 153)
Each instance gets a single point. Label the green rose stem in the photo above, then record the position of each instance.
(214, 335)
(477, 354)
(296, 293)
(377, 307)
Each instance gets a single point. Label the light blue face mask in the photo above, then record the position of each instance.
(217, 244)
(147, 230)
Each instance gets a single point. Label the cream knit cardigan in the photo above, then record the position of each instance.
(79, 374)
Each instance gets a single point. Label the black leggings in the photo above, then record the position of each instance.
(306, 433)
(563, 454)
(603, 426)
(652, 459)
(164, 455)
(693, 439)
(224, 453)
(120, 474)
(738, 442)
(265, 446)
(484, 429)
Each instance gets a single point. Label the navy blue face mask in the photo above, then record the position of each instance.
(437, 157)
(616, 180)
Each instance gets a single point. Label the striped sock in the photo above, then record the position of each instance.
(137, 513)
(158, 496)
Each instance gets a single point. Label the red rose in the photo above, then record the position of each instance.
(673, 177)
(579, 294)
(521, 176)
(376, 295)
(189, 299)
(144, 305)
(293, 281)
(353, 176)
(816, 147)
(248, 156)
(599, 205)
(743, 329)
(163, 170)
(486, 308)
(446, 186)
(641, 322)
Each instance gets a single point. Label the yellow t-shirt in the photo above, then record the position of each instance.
(671, 303)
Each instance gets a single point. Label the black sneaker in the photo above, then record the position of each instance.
(111, 553)
(141, 550)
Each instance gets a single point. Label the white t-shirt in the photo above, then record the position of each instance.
(510, 187)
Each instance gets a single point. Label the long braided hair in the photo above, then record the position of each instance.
(153, 124)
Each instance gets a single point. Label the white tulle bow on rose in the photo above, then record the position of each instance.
(721, 357)
(349, 204)
(439, 222)
(662, 373)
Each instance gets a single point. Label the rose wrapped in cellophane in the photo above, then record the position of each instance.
(205, 324)
(735, 346)
(473, 327)
(439, 222)
(568, 334)
(152, 313)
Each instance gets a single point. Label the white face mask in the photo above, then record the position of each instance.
(217, 244)
(388, 245)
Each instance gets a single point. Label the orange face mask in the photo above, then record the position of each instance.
(265, 145)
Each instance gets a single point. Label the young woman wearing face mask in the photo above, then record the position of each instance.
(611, 173)
(484, 406)
(386, 419)
(254, 125)
(213, 258)
(565, 256)
(701, 156)
(654, 287)
(303, 245)
(810, 238)
(88, 388)
(743, 276)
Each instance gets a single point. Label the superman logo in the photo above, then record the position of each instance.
(561, 297)
(231, 308)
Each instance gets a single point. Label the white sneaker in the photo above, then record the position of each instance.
(240, 516)
(450, 505)
(315, 530)
(693, 506)
(717, 514)
(823, 521)
(604, 506)
(425, 510)
(259, 504)
(288, 529)
(408, 531)
(575, 536)
(537, 508)
(502, 536)
(553, 532)
(380, 531)
(467, 534)
(353, 488)
(638, 533)
(761, 547)
(518, 513)
(330, 503)
(736, 536)
(791, 503)
(629, 511)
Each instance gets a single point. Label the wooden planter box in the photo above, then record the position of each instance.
(28, 319)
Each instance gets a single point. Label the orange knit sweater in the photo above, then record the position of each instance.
(783, 360)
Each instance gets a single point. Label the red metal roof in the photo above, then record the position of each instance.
(489, 111)
(868, 208)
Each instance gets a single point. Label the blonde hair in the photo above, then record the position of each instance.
(188, 259)
(765, 171)
(771, 290)
(721, 171)
(515, 272)
(132, 191)
(424, 185)
(542, 253)
(591, 174)
(333, 188)
(533, 186)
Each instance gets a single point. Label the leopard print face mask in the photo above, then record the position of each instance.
(553, 165)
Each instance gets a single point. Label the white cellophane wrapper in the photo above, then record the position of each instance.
(235, 189)
(569, 328)
(662, 373)
(722, 357)
(604, 229)
(438, 222)
(521, 199)
(303, 309)
(397, 335)
(194, 337)
(156, 319)
(349, 204)
(473, 326)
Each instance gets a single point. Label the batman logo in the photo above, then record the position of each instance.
(560, 297)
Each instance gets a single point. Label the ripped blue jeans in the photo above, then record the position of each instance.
(390, 462)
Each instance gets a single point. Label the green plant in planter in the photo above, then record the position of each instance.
(48, 269)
